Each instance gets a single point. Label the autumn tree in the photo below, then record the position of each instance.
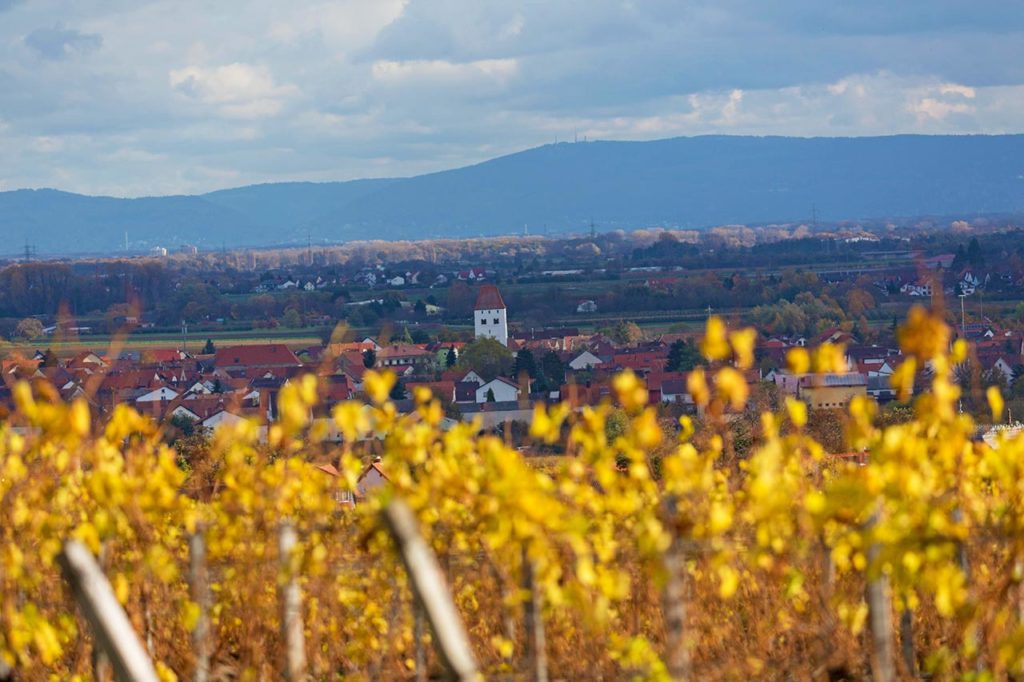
(626, 332)
(487, 357)
(29, 328)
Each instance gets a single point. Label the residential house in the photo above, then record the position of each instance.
(831, 391)
(502, 389)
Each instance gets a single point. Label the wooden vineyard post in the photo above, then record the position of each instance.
(291, 606)
(883, 666)
(907, 641)
(674, 596)
(418, 635)
(533, 624)
(109, 623)
(431, 591)
(199, 586)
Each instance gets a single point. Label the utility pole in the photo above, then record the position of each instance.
(963, 316)
(184, 336)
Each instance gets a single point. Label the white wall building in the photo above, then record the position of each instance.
(489, 319)
(504, 391)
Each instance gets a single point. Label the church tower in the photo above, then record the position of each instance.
(489, 315)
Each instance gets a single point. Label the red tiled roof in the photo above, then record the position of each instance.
(339, 348)
(489, 298)
(442, 389)
(160, 355)
(401, 350)
(261, 355)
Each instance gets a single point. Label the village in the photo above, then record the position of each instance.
(496, 379)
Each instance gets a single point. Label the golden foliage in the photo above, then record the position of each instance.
(778, 546)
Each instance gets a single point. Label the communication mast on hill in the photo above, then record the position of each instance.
(593, 230)
(30, 252)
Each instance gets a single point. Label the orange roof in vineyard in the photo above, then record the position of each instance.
(489, 298)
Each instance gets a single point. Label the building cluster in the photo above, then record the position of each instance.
(240, 382)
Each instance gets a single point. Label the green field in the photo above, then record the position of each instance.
(293, 338)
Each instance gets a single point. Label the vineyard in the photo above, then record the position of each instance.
(613, 563)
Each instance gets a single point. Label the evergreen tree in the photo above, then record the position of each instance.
(974, 255)
(369, 358)
(450, 357)
(406, 336)
(682, 356)
(490, 395)
(525, 362)
(398, 391)
(553, 369)
(209, 348)
(960, 259)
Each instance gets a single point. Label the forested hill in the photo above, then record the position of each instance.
(684, 182)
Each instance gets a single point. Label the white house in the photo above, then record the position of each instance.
(489, 319)
(675, 391)
(182, 411)
(221, 418)
(162, 393)
(505, 390)
(372, 477)
(587, 307)
(1003, 365)
(584, 360)
(197, 389)
(474, 377)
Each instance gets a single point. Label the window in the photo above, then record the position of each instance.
(483, 321)
(495, 320)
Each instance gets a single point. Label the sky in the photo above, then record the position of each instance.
(138, 97)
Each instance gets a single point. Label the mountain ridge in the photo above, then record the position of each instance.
(690, 182)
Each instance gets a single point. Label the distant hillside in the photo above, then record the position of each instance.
(686, 182)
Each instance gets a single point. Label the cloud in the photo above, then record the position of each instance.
(337, 89)
(61, 43)
(442, 72)
(237, 90)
